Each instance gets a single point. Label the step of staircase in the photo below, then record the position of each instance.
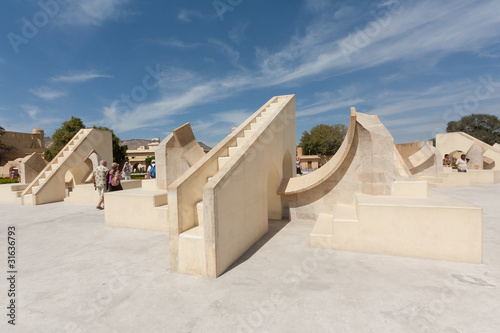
(222, 160)
(345, 213)
(199, 213)
(240, 141)
(232, 151)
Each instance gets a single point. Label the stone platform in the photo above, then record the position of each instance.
(75, 274)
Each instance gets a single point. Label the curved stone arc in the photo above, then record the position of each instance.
(304, 183)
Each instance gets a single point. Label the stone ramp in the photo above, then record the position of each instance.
(49, 185)
(221, 205)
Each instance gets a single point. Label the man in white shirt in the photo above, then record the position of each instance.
(462, 164)
(100, 179)
(151, 170)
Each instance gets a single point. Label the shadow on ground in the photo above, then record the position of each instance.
(274, 227)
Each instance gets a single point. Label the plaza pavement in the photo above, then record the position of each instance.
(74, 274)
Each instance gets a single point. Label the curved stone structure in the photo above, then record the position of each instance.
(333, 166)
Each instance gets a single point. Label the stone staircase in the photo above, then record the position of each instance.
(48, 186)
(447, 179)
(11, 193)
(191, 244)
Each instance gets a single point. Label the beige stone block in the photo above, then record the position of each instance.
(409, 188)
(137, 209)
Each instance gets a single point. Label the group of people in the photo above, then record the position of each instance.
(461, 163)
(109, 180)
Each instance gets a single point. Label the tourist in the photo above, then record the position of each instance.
(12, 174)
(297, 163)
(462, 164)
(127, 170)
(99, 178)
(151, 170)
(115, 178)
(446, 160)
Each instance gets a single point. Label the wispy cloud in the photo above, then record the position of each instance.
(331, 101)
(175, 43)
(232, 55)
(424, 31)
(31, 110)
(186, 15)
(47, 93)
(237, 33)
(93, 12)
(79, 77)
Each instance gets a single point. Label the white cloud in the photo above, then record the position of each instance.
(79, 77)
(93, 12)
(186, 15)
(31, 110)
(237, 33)
(423, 31)
(331, 101)
(228, 51)
(47, 93)
(175, 43)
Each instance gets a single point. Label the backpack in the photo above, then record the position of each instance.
(152, 171)
(115, 180)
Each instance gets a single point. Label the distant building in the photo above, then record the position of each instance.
(137, 157)
(308, 162)
(23, 144)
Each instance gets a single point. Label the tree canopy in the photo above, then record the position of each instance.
(484, 127)
(67, 131)
(323, 139)
(62, 136)
(3, 148)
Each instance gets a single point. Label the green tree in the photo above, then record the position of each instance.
(484, 127)
(4, 149)
(119, 152)
(62, 136)
(323, 139)
(67, 131)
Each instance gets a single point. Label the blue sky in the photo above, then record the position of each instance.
(146, 67)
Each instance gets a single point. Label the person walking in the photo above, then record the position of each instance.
(151, 170)
(99, 178)
(115, 183)
(127, 170)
